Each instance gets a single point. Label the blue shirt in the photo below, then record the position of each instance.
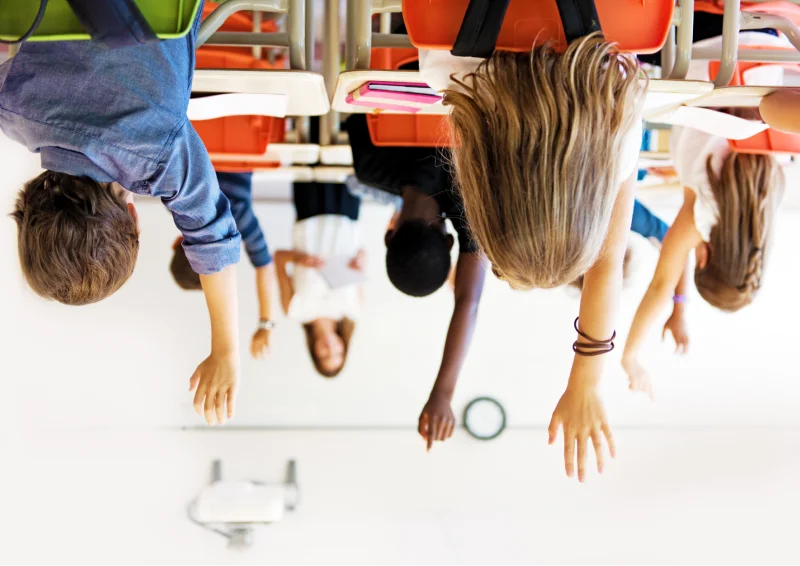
(120, 115)
(238, 187)
(647, 224)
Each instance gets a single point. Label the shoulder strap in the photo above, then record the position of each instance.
(579, 18)
(480, 28)
(117, 23)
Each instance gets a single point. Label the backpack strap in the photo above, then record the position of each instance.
(34, 25)
(579, 18)
(483, 20)
(480, 28)
(117, 23)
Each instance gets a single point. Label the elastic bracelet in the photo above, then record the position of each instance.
(679, 299)
(593, 347)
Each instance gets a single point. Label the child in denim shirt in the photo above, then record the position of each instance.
(108, 123)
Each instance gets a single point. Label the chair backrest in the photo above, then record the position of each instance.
(777, 7)
(404, 130)
(770, 140)
(637, 26)
(250, 135)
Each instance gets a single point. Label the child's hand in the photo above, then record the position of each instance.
(677, 325)
(437, 420)
(359, 262)
(259, 345)
(581, 415)
(307, 260)
(215, 383)
(638, 378)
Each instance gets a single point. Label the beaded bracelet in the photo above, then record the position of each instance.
(679, 299)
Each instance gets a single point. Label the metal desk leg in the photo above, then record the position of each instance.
(684, 48)
(359, 34)
(329, 124)
(297, 35)
(730, 42)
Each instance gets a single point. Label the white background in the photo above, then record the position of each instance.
(99, 453)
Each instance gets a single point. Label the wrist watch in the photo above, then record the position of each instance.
(266, 324)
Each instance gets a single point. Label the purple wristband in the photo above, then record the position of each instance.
(679, 299)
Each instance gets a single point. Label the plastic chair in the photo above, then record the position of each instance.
(636, 26)
(168, 18)
(404, 130)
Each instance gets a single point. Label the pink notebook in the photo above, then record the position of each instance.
(399, 97)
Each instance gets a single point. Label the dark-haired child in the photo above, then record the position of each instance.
(418, 252)
(238, 187)
(108, 123)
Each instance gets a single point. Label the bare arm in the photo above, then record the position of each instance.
(216, 380)
(259, 345)
(285, 288)
(580, 412)
(781, 110)
(681, 238)
(437, 421)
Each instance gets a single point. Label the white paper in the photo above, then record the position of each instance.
(237, 104)
(712, 122)
(337, 273)
(765, 75)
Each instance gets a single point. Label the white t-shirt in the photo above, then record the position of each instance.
(326, 236)
(437, 66)
(689, 149)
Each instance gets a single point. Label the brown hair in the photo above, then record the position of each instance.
(540, 135)
(77, 240)
(747, 191)
(345, 329)
(182, 271)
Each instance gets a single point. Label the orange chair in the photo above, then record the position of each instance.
(770, 140)
(638, 26)
(404, 130)
(238, 135)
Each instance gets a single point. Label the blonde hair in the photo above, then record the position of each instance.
(345, 329)
(538, 143)
(747, 191)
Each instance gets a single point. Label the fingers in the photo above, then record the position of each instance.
(552, 429)
(231, 398)
(208, 410)
(581, 457)
(451, 425)
(430, 438)
(569, 453)
(609, 439)
(199, 396)
(194, 380)
(422, 428)
(219, 405)
(664, 333)
(597, 442)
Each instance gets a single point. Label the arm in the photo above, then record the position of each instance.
(265, 275)
(216, 380)
(285, 288)
(681, 238)
(437, 421)
(580, 411)
(676, 323)
(781, 110)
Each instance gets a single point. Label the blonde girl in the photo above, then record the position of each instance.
(545, 164)
(729, 205)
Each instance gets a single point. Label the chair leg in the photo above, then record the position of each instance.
(359, 34)
(730, 42)
(297, 35)
(668, 53)
(684, 43)
(329, 124)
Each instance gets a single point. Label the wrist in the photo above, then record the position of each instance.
(443, 391)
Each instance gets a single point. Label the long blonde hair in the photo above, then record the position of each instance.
(747, 191)
(538, 143)
(345, 328)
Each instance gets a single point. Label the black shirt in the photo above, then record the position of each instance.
(392, 168)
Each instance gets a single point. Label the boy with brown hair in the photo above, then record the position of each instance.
(108, 123)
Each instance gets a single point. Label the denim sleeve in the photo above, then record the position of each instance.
(238, 187)
(186, 183)
(647, 224)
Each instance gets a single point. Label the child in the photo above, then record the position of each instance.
(418, 252)
(109, 123)
(729, 203)
(237, 187)
(546, 167)
(326, 229)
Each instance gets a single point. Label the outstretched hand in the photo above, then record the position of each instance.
(677, 326)
(259, 345)
(582, 417)
(215, 383)
(638, 379)
(437, 420)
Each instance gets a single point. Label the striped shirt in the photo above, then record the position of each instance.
(238, 187)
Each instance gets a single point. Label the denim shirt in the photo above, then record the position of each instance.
(647, 224)
(120, 115)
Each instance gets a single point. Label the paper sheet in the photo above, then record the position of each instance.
(337, 273)
(712, 122)
(237, 104)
